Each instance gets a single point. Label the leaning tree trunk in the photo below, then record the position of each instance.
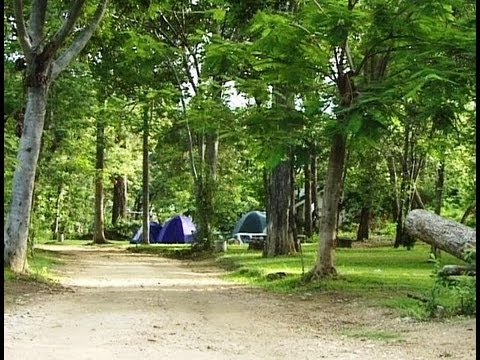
(279, 240)
(16, 229)
(447, 235)
(99, 232)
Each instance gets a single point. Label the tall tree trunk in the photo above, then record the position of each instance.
(279, 240)
(392, 171)
(57, 225)
(119, 207)
(99, 232)
(308, 200)
(39, 50)
(292, 229)
(314, 184)
(439, 183)
(18, 219)
(205, 188)
(325, 264)
(145, 172)
(364, 224)
(401, 237)
(336, 173)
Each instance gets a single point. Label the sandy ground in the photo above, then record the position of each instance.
(120, 305)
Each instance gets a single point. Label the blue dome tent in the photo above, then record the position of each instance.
(178, 230)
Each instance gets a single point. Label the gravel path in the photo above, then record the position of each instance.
(135, 306)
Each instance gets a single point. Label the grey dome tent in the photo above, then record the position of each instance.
(251, 223)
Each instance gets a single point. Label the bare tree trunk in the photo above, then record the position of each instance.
(394, 183)
(119, 207)
(99, 232)
(439, 183)
(279, 240)
(308, 200)
(325, 264)
(314, 184)
(293, 232)
(145, 172)
(16, 227)
(467, 213)
(364, 225)
(57, 225)
(205, 187)
(39, 50)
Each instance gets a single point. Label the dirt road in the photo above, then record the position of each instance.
(136, 306)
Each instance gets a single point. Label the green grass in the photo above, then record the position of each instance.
(380, 275)
(40, 265)
(77, 242)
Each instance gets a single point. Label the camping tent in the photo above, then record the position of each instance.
(253, 222)
(178, 229)
(154, 233)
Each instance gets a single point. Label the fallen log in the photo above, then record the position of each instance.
(447, 235)
(456, 270)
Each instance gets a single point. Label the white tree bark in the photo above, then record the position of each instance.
(447, 235)
(16, 229)
(39, 52)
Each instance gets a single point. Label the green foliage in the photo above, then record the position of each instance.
(461, 294)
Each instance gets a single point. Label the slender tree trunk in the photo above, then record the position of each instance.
(314, 184)
(308, 200)
(293, 232)
(145, 172)
(99, 233)
(439, 183)
(470, 209)
(119, 207)
(279, 240)
(325, 264)
(392, 171)
(57, 225)
(205, 186)
(18, 219)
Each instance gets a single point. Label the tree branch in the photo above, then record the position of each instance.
(37, 22)
(62, 62)
(59, 38)
(22, 30)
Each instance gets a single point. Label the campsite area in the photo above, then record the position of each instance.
(118, 305)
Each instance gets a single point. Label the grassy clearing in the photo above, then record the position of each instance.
(382, 275)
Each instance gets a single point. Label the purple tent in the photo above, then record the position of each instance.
(155, 229)
(178, 229)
